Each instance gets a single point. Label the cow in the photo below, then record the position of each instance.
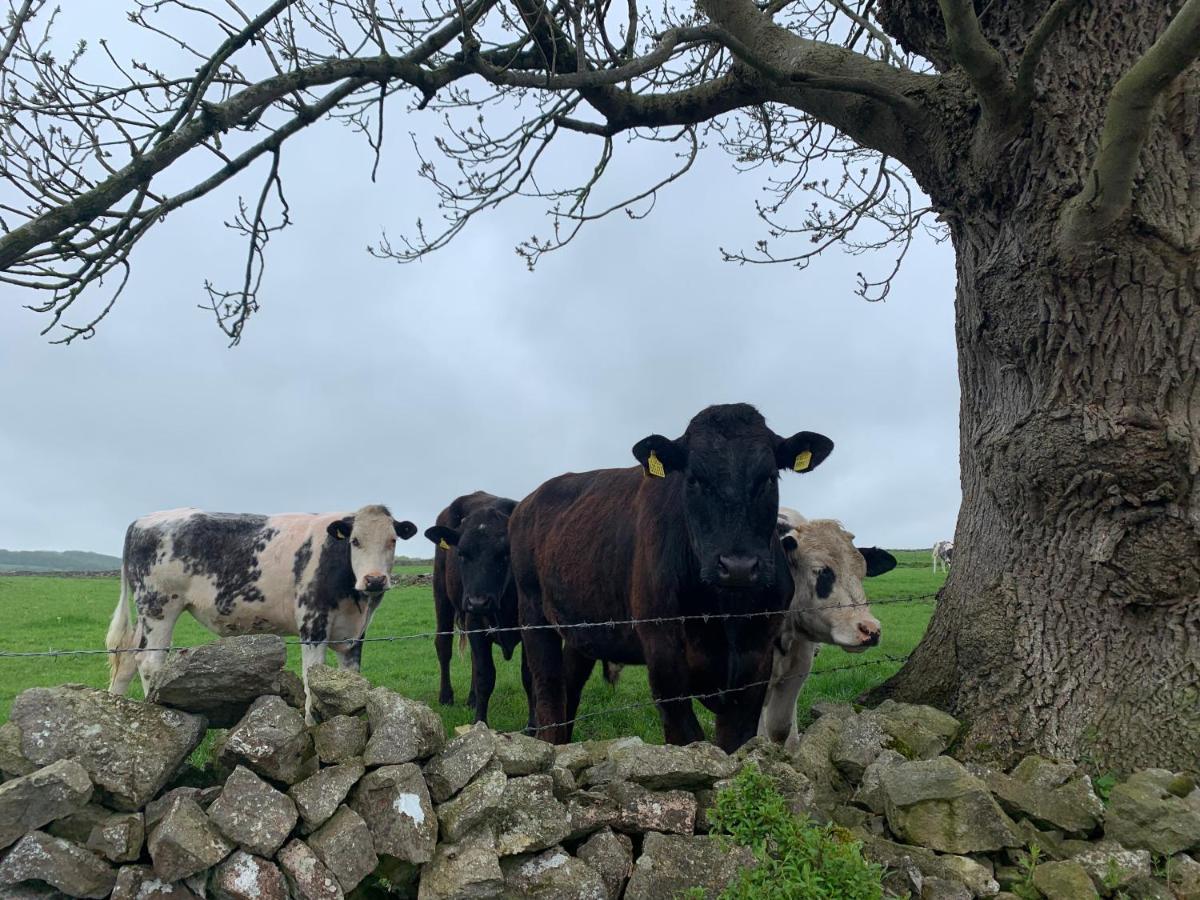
(828, 606)
(319, 576)
(942, 553)
(690, 531)
(473, 591)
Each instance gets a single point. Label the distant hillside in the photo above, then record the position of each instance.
(56, 561)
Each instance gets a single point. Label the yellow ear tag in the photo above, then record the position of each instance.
(442, 543)
(654, 464)
(802, 460)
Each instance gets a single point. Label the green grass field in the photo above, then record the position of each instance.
(46, 613)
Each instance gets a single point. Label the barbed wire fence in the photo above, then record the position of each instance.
(50, 653)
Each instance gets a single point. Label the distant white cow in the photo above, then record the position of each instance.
(942, 553)
(319, 576)
(829, 606)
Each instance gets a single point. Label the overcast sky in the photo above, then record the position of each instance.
(364, 381)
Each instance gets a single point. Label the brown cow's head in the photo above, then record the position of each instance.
(728, 463)
(371, 533)
(481, 544)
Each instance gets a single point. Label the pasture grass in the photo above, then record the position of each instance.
(47, 613)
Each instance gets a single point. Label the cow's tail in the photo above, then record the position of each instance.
(611, 671)
(460, 625)
(120, 629)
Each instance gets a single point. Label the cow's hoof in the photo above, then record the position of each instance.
(446, 699)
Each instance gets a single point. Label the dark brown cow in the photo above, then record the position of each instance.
(689, 532)
(472, 585)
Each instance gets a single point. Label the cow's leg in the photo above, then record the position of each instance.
(483, 672)
(738, 718)
(527, 681)
(126, 664)
(156, 624)
(577, 668)
(543, 649)
(310, 655)
(788, 674)
(443, 611)
(351, 657)
(668, 673)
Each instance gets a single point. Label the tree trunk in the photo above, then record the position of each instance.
(1070, 624)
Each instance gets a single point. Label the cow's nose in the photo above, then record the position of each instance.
(737, 571)
(869, 633)
(476, 604)
(375, 582)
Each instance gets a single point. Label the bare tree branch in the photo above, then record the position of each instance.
(981, 61)
(1042, 32)
(1108, 187)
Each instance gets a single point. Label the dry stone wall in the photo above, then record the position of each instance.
(98, 800)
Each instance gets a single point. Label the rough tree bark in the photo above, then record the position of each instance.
(1070, 624)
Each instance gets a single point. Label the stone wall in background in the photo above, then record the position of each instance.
(99, 799)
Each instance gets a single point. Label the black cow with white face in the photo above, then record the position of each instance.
(473, 587)
(689, 532)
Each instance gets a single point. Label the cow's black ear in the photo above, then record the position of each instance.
(803, 451)
(442, 536)
(878, 561)
(341, 528)
(789, 542)
(404, 530)
(659, 455)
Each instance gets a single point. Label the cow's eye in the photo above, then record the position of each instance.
(354, 542)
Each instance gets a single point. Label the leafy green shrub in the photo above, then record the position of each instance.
(797, 859)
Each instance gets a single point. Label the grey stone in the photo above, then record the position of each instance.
(1147, 889)
(870, 788)
(564, 782)
(290, 687)
(271, 740)
(1072, 807)
(253, 814)
(340, 739)
(336, 692)
(1113, 867)
(520, 754)
(32, 890)
(42, 857)
(611, 855)
(918, 732)
(1143, 814)
(589, 811)
(670, 864)
(119, 837)
(1046, 774)
(77, 827)
(662, 766)
(141, 883)
(552, 875)
(942, 889)
(938, 804)
(246, 877)
(1063, 881)
(640, 809)
(478, 804)
(458, 762)
(31, 801)
(12, 763)
(344, 845)
(94, 727)
(318, 796)
(833, 710)
(467, 872)
(1183, 874)
(219, 680)
(579, 756)
(306, 875)
(395, 804)
(812, 757)
(185, 842)
(530, 817)
(911, 861)
(859, 742)
(157, 807)
(402, 730)
(795, 787)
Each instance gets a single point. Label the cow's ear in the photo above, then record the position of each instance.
(341, 528)
(803, 451)
(659, 455)
(404, 530)
(878, 561)
(442, 536)
(789, 542)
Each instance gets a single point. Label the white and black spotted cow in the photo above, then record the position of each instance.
(319, 576)
(943, 552)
